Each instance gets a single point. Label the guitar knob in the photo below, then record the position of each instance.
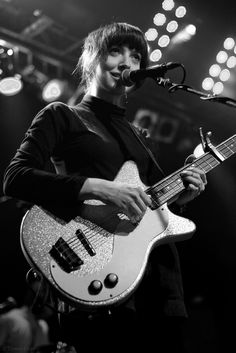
(95, 287)
(111, 280)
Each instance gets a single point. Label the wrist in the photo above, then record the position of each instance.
(92, 189)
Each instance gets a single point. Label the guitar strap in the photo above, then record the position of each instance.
(149, 152)
(175, 208)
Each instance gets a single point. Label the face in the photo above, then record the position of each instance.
(107, 76)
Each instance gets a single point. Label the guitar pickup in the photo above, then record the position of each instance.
(87, 245)
(62, 253)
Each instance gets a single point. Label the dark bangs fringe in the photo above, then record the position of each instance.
(120, 34)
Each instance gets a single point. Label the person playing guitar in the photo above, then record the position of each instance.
(100, 219)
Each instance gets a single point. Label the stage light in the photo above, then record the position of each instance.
(207, 83)
(164, 41)
(181, 36)
(168, 5)
(159, 19)
(221, 57)
(224, 75)
(10, 80)
(9, 86)
(172, 26)
(231, 62)
(53, 90)
(151, 34)
(215, 70)
(180, 11)
(191, 29)
(10, 52)
(229, 43)
(156, 55)
(218, 88)
(3, 43)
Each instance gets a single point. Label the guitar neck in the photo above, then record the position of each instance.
(167, 189)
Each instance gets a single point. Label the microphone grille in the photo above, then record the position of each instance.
(125, 78)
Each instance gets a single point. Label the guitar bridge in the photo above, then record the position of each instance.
(66, 258)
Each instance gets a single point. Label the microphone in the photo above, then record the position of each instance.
(130, 77)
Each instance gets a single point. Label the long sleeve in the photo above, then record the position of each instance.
(26, 178)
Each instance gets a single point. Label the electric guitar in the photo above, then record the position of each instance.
(97, 258)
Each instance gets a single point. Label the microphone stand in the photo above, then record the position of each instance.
(205, 138)
(172, 87)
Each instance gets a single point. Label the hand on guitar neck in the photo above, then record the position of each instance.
(130, 200)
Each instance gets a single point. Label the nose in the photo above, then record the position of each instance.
(125, 63)
(123, 67)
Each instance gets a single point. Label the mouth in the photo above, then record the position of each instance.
(115, 75)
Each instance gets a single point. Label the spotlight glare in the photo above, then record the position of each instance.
(218, 88)
(159, 19)
(163, 41)
(168, 5)
(229, 43)
(231, 62)
(172, 26)
(215, 70)
(180, 11)
(191, 29)
(221, 57)
(3, 43)
(207, 83)
(9, 86)
(10, 52)
(52, 90)
(224, 75)
(151, 34)
(155, 55)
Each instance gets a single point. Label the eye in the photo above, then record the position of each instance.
(137, 56)
(114, 50)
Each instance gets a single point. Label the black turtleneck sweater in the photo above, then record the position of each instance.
(92, 139)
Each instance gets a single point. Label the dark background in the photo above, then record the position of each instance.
(208, 259)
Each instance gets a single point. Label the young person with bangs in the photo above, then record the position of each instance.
(88, 143)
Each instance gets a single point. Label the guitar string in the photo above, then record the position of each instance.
(80, 245)
(226, 151)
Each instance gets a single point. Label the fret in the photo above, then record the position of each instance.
(228, 150)
(171, 186)
(171, 194)
(206, 162)
(167, 188)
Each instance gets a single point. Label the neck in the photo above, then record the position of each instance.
(118, 99)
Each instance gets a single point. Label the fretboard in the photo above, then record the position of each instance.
(166, 190)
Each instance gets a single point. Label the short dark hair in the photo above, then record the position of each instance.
(97, 44)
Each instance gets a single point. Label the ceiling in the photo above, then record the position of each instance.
(58, 27)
